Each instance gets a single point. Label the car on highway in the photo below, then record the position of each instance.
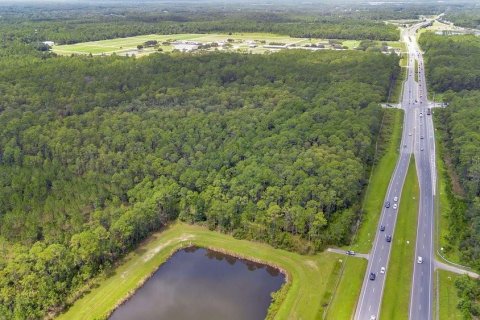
(382, 228)
(350, 252)
(382, 270)
(421, 149)
(387, 204)
(421, 137)
(395, 199)
(388, 238)
(409, 133)
(373, 317)
(372, 276)
(419, 259)
(395, 206)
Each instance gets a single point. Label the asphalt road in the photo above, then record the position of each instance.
(415, 126)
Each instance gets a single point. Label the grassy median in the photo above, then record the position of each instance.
(396, 297)
(308, 275)
(380, 178)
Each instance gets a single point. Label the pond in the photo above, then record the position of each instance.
(197, 283)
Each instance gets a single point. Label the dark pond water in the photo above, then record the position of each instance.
(197, 283)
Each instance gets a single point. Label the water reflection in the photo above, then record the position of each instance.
(189, 286)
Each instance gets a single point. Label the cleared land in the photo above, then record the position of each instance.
(396, 297)
(448, 298)
(377, 187)
(244, 42)
(308, 275)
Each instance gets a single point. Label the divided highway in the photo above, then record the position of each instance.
(417, 138)
(422, 286)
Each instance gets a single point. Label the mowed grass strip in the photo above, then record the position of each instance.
(396, 296)
(308, 275)
(380, 178)
(345, 300)
(448, 298)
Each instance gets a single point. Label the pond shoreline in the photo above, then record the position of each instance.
(191, 244)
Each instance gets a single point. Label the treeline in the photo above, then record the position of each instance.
(90, 28)
(96, 153)
(467, 18)
(452, 65)
(452, 61)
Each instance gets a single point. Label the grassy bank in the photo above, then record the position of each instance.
(348, 290)
(445, 238)
(448, 298)
(380, 178)
(308, 275)
(399, 273)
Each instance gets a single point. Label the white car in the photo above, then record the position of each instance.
(372, 317)
(395, 199)
(382, 270)
(394, 206)
(419, 260)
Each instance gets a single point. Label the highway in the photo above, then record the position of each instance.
(417, 139)
(421, 297)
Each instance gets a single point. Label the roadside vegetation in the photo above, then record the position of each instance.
(300, 298)
(453, 71)
(399, 272)
(448, 296)
(447, 238)
(386, 159)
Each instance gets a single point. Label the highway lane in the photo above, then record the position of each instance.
(372, 290)
(417, 138)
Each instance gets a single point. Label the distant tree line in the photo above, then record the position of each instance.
(132, 23)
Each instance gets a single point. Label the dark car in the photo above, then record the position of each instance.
(382, 228)
(387, 205)
(388, 238)
(372, 276)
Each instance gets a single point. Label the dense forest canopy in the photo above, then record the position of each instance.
(465, 18)
(453, 69)
(96, 153)
(453, 61)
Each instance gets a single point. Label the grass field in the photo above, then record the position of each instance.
(308, 275)
(345, 300)
(396, 297)
(241, 42)
(377, 188)
(448, 298)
